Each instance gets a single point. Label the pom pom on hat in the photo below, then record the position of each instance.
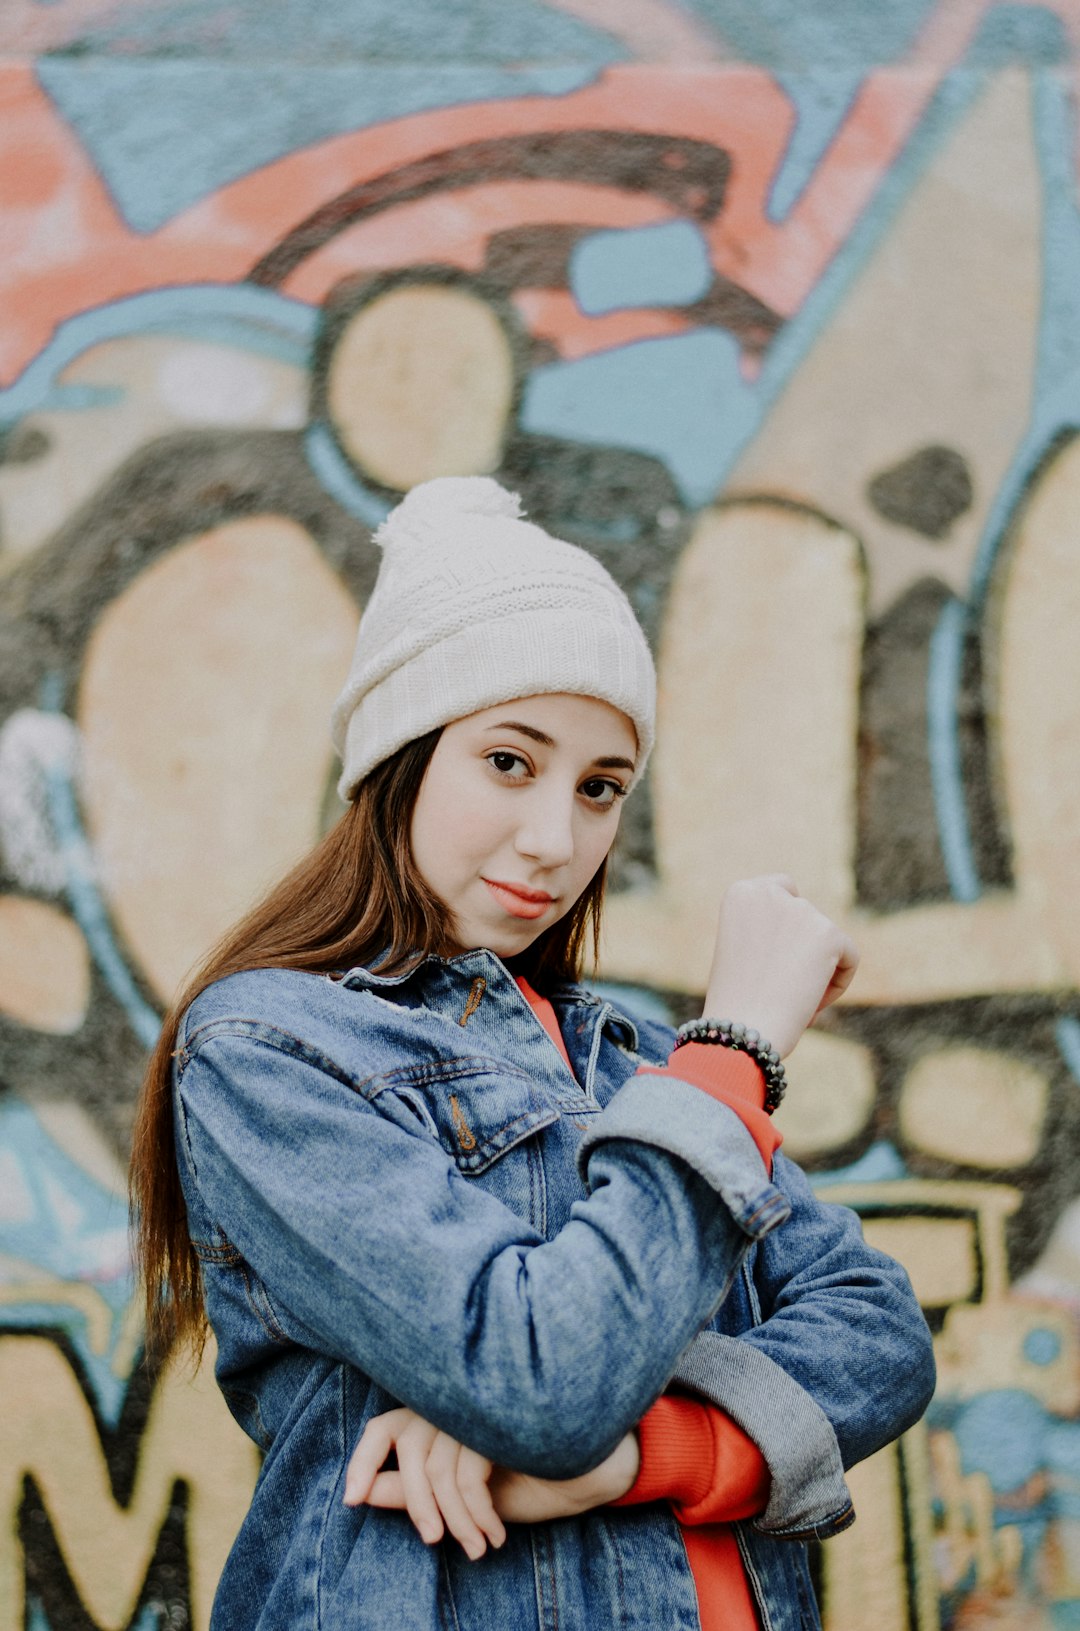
(434, 503)
(474, 606)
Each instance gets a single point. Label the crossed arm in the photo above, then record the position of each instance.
(840, 1365)
(683, 1450)
(445, 1486)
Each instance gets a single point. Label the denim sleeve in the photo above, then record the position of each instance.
(375, 1250)
(841, 1364)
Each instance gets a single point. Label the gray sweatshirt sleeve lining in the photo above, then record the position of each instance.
(809, 1494)
(673, 1115)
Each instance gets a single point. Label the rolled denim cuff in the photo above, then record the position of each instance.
(809, 1496)
(670, 1115)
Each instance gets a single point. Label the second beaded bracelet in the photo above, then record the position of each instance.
(742, 1039)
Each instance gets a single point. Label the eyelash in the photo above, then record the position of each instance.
(504, 753)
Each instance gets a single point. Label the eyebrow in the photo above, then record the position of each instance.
(610, 762)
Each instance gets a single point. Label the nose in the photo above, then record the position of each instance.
(546, 831)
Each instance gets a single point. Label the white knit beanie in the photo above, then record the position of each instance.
(473, 606)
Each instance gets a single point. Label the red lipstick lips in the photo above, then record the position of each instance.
(519, 901)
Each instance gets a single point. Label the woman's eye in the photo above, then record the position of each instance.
(504, 762)
(603, 792)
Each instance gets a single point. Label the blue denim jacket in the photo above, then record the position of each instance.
(399, 1194)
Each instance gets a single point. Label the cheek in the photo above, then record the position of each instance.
(430, 818)
(593, 842)
(448, 825)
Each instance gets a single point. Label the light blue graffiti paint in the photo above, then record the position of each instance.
(1042, 1347)
(821, 101)
(253, 319)
(636, 1000)
(339, 478)
(87, 906)
(882, 1163)
(621, 529)
(167, 133)
(1022, 33)
(684, 399)
(1062, 1452)
(943, 740)
(374, 31)
(681, 398)
(664, 265)
(1056, 397)
(1067, 1035)
(1002, 1434)
(89, 911)
(58, 1224)
(151, 1618)
(786, 34)
(1038, 37)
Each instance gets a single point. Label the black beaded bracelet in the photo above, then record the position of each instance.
(742, 1039)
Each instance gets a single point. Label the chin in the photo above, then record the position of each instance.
(511, 945)
(503, 942)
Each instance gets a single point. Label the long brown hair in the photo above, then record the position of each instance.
(356, 895)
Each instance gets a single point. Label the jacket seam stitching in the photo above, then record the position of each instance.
(479, 1146)
(207, 1253)
(269, 1321)
(444, 1569)
(437, 1071)
(753, 1576)
(285, 1042)
(254, 1031)
(822, 1529)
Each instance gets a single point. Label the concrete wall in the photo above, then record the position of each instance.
(774, 306)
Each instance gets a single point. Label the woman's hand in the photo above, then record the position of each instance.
(778, 960)
(521, 1498)
(441, 1484)
(444, 1486)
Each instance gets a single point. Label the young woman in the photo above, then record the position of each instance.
(436, 1198)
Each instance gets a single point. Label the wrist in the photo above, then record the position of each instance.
(739, 1038)
(754, 1016)
(623, 1466)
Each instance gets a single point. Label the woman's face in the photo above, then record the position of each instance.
(517, 809)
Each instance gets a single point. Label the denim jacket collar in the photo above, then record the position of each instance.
(481, 963)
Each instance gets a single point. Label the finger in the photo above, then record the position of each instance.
(420, 1502)
(388, 1490)
(778, 880)
(372, 1448)
(846, 965)
(474, 1481)
(442, 1472)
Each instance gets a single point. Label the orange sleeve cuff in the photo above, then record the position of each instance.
(695, 1456)
(734, 1079)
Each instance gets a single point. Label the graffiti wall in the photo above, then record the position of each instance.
(776, 309)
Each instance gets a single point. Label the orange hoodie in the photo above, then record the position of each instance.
(692, 1453)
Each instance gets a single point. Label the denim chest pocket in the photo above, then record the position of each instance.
(478, 1109)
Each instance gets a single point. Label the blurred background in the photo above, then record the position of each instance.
(775, 307)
